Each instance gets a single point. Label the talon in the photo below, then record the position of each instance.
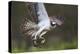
(43, 41)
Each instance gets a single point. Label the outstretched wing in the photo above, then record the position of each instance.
(28, 27)
(31, 10)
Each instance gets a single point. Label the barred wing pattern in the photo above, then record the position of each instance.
(28, 27)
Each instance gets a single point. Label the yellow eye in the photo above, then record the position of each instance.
(53, 23)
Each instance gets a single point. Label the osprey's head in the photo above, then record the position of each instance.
(56, 20)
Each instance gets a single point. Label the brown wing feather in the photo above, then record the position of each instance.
(28, 27)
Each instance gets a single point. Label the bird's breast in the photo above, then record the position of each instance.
(44, 23)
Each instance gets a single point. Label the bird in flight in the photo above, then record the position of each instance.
(45, 23)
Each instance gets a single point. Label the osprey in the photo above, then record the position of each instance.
(44, 24)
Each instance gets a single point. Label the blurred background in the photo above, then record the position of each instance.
(61, 38)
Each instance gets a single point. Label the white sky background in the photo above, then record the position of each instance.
(4, 26)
